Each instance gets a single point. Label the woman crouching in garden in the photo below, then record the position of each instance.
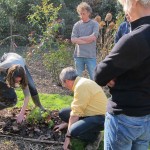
(14, 73)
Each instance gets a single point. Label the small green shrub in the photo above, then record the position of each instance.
(56, 60)
(34, 117)
(37, 116)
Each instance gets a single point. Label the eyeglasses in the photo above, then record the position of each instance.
(63, 83)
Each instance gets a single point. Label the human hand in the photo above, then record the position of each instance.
(42, 108)
(93, 37)
(20, 118)
(66, 143)
(111, 107)
(59, 127)
(111, 83)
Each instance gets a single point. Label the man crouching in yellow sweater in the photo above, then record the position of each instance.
(85, 118)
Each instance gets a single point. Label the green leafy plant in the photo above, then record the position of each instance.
(37, 116)
(56, 60)
(47, 118)
(43, 18)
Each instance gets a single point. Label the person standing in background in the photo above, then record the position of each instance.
(84, 35)
(123, 29)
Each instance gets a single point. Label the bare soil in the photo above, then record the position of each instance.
(28, 136)
(42, 77)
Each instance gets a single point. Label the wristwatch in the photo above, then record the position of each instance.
(68, 136)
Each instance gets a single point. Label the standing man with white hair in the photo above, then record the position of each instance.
(127, 125)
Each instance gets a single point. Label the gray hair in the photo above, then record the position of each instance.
(145, 3)
(84, 6)
(68, 74)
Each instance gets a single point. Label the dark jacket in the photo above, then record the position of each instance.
(123, 29)
(129, 64)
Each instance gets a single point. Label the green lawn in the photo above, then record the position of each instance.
(49, 101)
(56, 102)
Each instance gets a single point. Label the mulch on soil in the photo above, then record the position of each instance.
(26, 136)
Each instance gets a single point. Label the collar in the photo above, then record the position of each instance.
(139, 22)
(87, 21)
(75, 82)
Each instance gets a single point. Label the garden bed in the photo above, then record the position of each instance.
(26, 136)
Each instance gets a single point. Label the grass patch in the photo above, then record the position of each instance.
(49, 101)
(77, 144)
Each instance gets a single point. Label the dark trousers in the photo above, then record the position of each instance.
(8, 97)
(32, 87)
(87, 128)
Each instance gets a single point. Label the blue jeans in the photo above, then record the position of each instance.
(86, 128)
(80, 64)
(126, 133)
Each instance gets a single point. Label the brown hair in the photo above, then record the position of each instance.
(84, 6)
(14, 72)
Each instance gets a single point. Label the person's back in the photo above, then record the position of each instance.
(132, 86)
(89, 97)
(127, 66)
(9, 59)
